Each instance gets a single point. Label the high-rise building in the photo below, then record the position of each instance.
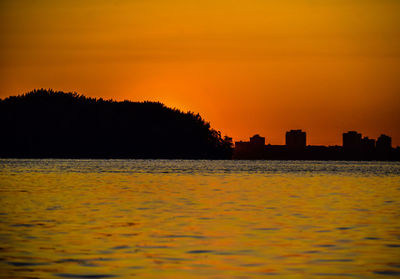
(384, 143)
(296, 139)
(368, 144)
(257, 140)
(253, 149)
(352, 140)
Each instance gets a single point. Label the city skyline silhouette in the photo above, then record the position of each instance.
(354, 147)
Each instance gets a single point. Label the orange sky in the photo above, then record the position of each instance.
(254, 66)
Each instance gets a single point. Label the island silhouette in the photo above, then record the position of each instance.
(53, 124)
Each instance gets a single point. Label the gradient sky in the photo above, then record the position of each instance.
(254, 66)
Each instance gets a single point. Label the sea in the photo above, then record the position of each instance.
(199, 219)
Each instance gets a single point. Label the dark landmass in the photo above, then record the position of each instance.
(49, 124)
(354, 148)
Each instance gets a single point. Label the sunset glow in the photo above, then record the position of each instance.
(324, 66)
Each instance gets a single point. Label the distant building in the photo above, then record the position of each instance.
(352, 140)
(253, 149)
(384, 143)
(256, 140)
(368, 144)
(296, 139)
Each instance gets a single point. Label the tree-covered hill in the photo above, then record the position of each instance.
(49, 124)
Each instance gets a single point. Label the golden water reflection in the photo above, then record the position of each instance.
(182, 219)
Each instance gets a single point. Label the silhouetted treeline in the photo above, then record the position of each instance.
(49, 124)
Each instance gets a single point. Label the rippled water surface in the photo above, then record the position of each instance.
(207, 219)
